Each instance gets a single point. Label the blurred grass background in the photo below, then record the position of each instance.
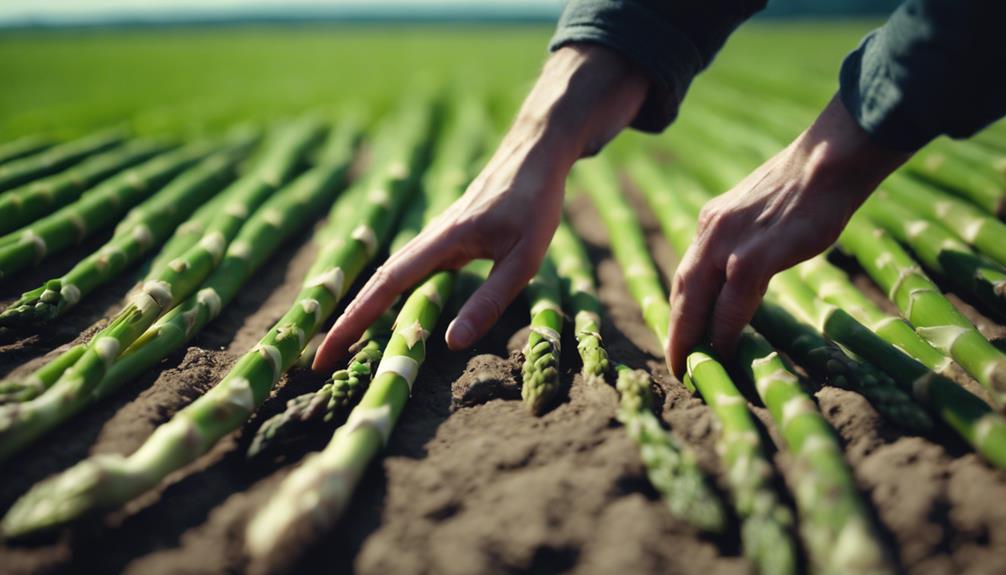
(185, 80)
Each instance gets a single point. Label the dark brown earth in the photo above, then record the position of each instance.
(471, 482)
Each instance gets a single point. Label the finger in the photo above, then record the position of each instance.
(400, 272)
(696, 285)
(740, 297)
(507, 278)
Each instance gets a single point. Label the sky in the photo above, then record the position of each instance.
(12, 11)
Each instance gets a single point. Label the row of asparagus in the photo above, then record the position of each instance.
(817, 317)
(812, 313)
(203, 266)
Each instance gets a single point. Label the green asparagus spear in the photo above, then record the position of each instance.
(580, 296)
(56, 158)
(22, 424)
(672, 469)
(442, 183)
(831, 285)
(941, 252)
(675, 200)
(921, 302)
(109, 481)
(628, 244)
(835, 523)
(980, 183)
(327, 479)
(23, 205)
(965, 413)
(143, 228)
(540, 371)
(766, 522)
(307, 412)
(968, 222)
(21, 147)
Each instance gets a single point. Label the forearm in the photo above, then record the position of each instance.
(835, 155)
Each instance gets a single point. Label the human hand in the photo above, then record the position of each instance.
(585, 95)
(790, 209)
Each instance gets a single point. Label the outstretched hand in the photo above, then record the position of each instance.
(585, 95)
(790, 209)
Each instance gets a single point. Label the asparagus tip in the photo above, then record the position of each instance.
(541, 375)
(65, 498)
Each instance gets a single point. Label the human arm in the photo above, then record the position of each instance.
(614, 62)
(584, 96)
(930, 70)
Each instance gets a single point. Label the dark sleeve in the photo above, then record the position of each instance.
(671, 40)
(936, 67)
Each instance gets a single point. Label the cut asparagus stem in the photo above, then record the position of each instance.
(834, 521)
(143, 228)
(310, 411)
(16, 390)
(313, 497)
(981, 184)
(831, 285)
(21, 147)
(187, 234)
(921, 302)
(965, 413)
(23, 205)
(579, 294)
(254, 244)
(56, 158)
(628, 244)
(109, 481)
(22, 424)
(672, 469)
(93, 212)
(766, 522)
(978, 279)
(826, 361)
(540, 371)
(442, 183)
(328, 479)
(968, 222)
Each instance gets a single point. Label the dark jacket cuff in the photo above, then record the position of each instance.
(666, 56)
(934, 68)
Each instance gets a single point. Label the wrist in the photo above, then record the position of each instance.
(841, 155)
(585, 95)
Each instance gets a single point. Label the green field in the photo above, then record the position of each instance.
(185, 80)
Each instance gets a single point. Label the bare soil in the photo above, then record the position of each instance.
(472, 482)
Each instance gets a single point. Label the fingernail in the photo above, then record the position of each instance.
(460, 332)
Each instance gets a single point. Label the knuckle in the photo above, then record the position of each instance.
(706, 215)
(742, 269)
